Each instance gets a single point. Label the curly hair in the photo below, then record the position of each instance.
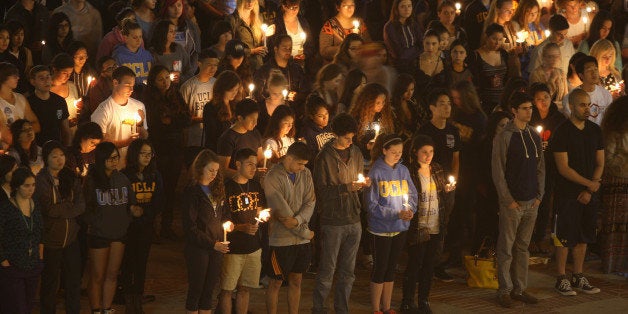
(363, 109)
(204, 158)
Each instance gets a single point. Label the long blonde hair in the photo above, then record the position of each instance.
(254, 22)
(520, 14)
(600, 47)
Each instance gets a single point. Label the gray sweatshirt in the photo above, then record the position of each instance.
(287, 199)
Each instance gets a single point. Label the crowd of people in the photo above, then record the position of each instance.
(312, 136)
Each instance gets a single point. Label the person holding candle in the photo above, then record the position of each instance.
(242, 134)
(21, 246)
(545, 114)
(59, 193)
(604, 51)
(290, 23)
(217, 113)
(447, 13)
(35, 17)
(290, 195)
(167, 118)
(187, 33)
(50, 108)
(389, 216)
(316, 130)
(87, 20)
(336, 172)
(338, 27)
(82, 70)
(272, 98)
(100, 88)
(110, 207)
(518, 170)
(402, 36)
(58, 36)
(427, 227)
(242, 265)
(297, 83)
(246, 23)
(169, 53)
(527, 18)
(577, 17)
(372, 108)
(121, 118)
(279, 134)
(587, 70)
(234, 60)
(62, 68)
(602, 27)
(558, 27)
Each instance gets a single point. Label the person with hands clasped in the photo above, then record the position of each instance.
(578, 149)
(290, 194)
(21, 247)
(518, 171)
(391, 203)
(110, 207)
(424, 234)
(205, 243)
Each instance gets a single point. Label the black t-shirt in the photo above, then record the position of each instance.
(231, 141)
(581, 147)
(243, 201)
(446, 141)
(51, 113)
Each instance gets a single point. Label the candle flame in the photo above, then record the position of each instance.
(227, 226)
(89, 80)
(361, 178)
(451, 179)
(458, 5)
(137, 118)
(539, 129)
(548, 33)
(172, 76)
(251, 87)
(303, 36)
(263, 215)
(284, 93)
(43, 42)
(585, 19)
(268, 153)
(356, 24)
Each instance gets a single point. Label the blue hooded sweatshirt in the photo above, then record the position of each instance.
(139, 61)
(384, 198)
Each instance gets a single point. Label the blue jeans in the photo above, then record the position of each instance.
(515, 230)
(339, 247)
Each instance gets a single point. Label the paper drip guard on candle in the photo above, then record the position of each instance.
(263, 215)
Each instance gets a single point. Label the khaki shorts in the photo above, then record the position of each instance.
(241, 270)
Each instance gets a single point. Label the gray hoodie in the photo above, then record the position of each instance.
(287, 199)
(518, 165)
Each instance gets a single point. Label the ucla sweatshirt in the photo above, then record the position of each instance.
(384, 197)
(139, 61)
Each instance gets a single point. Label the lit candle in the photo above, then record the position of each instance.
(458, 7)
(405, 199)
(267, 154)
(137, 119)
(547, 33)
(172, 76)
(376, 127)
(361, 178)
(43, 42)
(303, 36)
(251, 88)
(226, 227)
(263, 215)
(356, 26)
(585, 20)
(589, 9)
(89, 80)
(539, 129)
(285, 94)
(522, 36)
(451, 179)
(76, 102)
(264, 29)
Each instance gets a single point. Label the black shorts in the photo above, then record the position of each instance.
(574, 222)
(289, 259)
(96, 242)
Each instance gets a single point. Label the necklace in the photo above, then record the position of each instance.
(246, 194)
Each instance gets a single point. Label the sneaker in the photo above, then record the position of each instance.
(442, 275)
(563, 286)
(524, 297)
(581, 283)
(504, 300)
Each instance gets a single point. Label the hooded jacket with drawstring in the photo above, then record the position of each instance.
(518, 165)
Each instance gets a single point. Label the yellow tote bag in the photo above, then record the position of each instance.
(482, 271)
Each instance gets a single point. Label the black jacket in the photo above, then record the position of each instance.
(335, 204)
(59, 214)
(202, 221)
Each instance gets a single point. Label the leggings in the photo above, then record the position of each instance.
(386, 251)
(204, 266)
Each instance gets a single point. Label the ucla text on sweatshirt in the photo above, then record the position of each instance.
(139, 61)
(385, 197)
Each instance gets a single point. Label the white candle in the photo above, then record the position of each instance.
(251, 88)
(267, 154)
(285, 94)
(458, 7)
(356, 26)
(303, 36)
(226, 226)
(585, 20)
(263, 215)
(376, 127)
(405, 199)
(539, 129)
(522, 36)
(137, 119)
(264, 29)
(547, 33)
(89, 80)
(361, 178)
(172, 76)
(75, 103)
(451, 179)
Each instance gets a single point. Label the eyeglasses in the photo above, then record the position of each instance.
(113, 158)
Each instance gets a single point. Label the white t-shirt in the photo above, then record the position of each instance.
(117, 121)
(274, 146)
(580, 27)
(600, 100)
(297, 40)
(196, 94)
(15, 111)
(428, 205)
